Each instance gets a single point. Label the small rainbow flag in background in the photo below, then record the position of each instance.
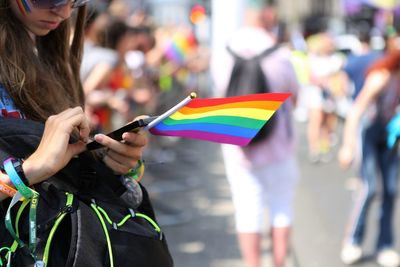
(231, 120)
(180, 46)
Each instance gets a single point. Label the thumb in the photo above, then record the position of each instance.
(141, 117)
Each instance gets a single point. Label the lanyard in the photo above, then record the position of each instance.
(32, 221)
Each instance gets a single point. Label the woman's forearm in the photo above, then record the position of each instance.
(351, 127)
(32, 174)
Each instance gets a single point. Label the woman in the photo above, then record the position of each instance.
(39, 78)
(373, 108)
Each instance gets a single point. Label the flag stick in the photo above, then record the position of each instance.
(171, 111)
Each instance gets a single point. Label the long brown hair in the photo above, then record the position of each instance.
(45, 81)
(390, 61)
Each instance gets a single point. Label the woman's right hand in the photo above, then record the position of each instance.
(345, 156)
(54, 151)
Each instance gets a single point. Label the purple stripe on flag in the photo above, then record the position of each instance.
(212, 137)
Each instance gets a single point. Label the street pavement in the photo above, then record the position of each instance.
(187, 184)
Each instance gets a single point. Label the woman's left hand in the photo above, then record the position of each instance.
(122, 156)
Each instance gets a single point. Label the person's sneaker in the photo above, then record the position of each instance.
(351, 254)
(388, 258)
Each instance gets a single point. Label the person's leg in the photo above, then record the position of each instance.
(250, 246)
(387, 256)
(326, 154)
(351, 251)
(330, 123)
(280, 240)
(248, 200)
(315, 117)
(389, 162)
(280, 183)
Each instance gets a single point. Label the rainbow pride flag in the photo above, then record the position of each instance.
(231, 120)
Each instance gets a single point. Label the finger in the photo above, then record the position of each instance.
(141, 117)
(112, 144)
(82, 122)
(121, 148)
(115, 166)
(129, 161)
(135, 138)
(84, 129)
(77, 148)
(67, 117)
(68, 113)
(79, 121)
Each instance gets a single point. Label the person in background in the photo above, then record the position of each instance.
(264, 174)
(97, 67)
(372, 109)
(357, 64)
(123, 39)
(327, 85)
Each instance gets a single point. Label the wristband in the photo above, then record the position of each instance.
(17, 163)
(137, 172)
(13, 168)
(8, 190)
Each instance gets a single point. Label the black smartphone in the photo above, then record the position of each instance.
(117, 134)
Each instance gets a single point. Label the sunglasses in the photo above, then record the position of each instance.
(48, 4)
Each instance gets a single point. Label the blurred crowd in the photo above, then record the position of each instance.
(360, 87)
(354, 84)
(131, 66)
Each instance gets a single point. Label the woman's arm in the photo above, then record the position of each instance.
(54, 150)
(374, 84)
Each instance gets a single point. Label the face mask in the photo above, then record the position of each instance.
(48, 4)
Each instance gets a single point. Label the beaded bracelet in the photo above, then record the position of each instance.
(137, 172)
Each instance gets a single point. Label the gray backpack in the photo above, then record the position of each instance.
(247, 77)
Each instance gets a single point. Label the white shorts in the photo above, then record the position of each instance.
(314, 97)
(271, 187)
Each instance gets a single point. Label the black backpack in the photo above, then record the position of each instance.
(83, 218)
(247, 77)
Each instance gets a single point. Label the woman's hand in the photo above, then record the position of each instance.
(345, 156)
(54, 150)
(123, 156)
